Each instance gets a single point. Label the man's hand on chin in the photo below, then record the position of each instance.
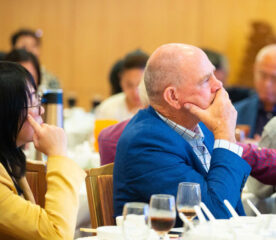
(220, 117)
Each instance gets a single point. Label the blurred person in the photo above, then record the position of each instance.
(124, 105)
(265, 191)
(258, 109)
(170, 141)
(20, 123)
(268, 138)
(31, 41)
(115, 76)
(236, 93)
(266, 144)
(28, 61)
(108, 137)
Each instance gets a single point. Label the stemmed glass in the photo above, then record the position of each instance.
(188, 196)
(135, 221)
(162, 214)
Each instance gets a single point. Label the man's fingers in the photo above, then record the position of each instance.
(193, 109)
(222, 93)
(33, 123)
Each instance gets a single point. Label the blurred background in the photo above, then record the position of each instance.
(81, 39)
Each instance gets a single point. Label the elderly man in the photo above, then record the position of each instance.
(257, 110)
(169, 142)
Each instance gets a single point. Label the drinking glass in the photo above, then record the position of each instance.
(188, 196)
(162, 214)
(135, 221)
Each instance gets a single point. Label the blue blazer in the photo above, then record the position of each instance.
(152, 158)
(247, 112)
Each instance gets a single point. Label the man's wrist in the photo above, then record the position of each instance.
(228, 137)
(222, 143)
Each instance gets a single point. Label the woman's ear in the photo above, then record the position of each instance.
(170, 95)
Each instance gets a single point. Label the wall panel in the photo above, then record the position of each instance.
(82, 38)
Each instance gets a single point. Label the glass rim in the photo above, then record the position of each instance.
(165, 196)
(189, 184)
(136, 204)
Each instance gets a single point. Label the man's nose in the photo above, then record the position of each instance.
(217, 84)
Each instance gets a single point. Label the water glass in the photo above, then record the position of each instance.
(135, 221)
(188, 196)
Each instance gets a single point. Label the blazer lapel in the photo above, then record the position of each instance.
(198, 164)
(193, 159)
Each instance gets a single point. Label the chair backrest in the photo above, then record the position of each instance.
(36, 177)
(105, 184)
(93, 192)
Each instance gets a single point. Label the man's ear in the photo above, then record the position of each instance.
(170, 95)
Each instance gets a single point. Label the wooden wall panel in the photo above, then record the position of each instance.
(83, 38)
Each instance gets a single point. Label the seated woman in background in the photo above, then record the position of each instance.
(28, 61)
(125, 105)
(20, 122)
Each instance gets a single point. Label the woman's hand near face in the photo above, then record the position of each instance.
(49, 139)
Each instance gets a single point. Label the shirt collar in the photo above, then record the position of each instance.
(187, 134)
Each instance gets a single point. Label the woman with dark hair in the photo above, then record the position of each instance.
(28, 61)
(20, 123)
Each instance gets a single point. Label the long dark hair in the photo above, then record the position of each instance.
(22, 55)
(14, 94)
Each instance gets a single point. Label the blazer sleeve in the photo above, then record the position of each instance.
(161, 172)
(20, 219)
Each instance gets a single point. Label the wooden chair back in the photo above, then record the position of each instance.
(105, 184)
(36, 177)
(93, 196)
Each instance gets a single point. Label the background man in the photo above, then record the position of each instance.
(257, 110)
(31, 41)
(264, 195)
(166, 143)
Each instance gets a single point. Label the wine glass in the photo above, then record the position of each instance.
(188, 196)
(135, 221)
(162, 214)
